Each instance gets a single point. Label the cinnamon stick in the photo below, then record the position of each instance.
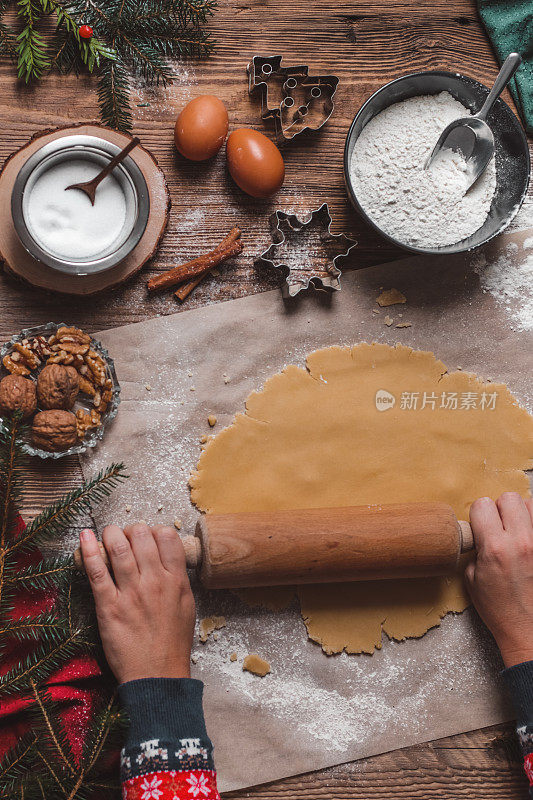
(230, 246)
(185, 289)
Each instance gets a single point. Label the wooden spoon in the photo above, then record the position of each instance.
(89, 187)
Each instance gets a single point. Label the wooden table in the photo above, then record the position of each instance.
(365, 43)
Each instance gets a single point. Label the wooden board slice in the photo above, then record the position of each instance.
(18, 262)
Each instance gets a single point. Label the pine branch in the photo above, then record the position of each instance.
(16, 762)
(11, 460)
(64, 512)
(144, 59)
(32, 56)
(44, 627)
(114, 96)
(53, 773)
(71, 52)
(48, 573)
(8, 42)
(131, 37)
(106, 721)
(51, 731)
(39, 665)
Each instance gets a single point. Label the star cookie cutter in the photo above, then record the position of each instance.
(288, 228)
(303, 102)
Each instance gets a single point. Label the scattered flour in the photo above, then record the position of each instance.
(423, 208)
(510, 280)
(156, 101)
(344, 703)
(524, 218)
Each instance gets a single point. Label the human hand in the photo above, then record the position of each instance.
(500, 580)
(146, 614)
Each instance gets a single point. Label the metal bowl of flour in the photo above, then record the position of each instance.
(512, 151)
(96, 153)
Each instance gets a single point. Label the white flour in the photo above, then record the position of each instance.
(510, 280)
(424, 208)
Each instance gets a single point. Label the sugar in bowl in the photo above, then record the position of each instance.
(62, 229)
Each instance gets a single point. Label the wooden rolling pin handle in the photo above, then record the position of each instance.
(191, 545)
(467, 537)
(78, 558)
(193, 551)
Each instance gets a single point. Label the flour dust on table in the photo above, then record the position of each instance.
(417, 206)
(509, 278)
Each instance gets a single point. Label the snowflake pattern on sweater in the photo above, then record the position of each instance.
(525, 735)
(172, 785)
(169, 770)
(155, 755)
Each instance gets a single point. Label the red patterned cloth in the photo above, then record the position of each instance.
(528, 766)
(78, 686)
(172, 785)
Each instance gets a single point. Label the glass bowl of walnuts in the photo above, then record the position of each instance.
(64, 384)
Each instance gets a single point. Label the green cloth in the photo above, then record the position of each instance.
(509, 24)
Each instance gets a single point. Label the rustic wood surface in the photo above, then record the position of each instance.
(365, 43)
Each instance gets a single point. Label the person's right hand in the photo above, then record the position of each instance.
(500, 580)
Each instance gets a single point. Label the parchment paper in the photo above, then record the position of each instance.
(313, 711)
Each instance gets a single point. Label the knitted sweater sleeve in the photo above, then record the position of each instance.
(167, 753)
(519, 680)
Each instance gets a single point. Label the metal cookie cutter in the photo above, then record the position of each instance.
(299, 263)
(295, 100)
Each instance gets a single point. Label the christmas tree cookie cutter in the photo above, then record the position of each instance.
(293, 99)
(299, 264)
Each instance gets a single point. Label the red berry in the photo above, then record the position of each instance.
(86, 31)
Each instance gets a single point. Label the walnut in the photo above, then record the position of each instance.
(70, 335)
(39, 345)
(57, 386)
(17, 394)
(61, 358)
(54, 430)
(15, 365)
(103, 396)
(85, 385)
(30, 359)
(97, 367)
(85, 420)
(21, 360)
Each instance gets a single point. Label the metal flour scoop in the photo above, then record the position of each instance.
(471, 136)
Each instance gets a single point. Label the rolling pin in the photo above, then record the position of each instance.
(326, 545)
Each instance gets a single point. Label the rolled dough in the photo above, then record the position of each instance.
(368, 424)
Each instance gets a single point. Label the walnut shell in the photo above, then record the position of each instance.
(17, 394)
(54, 430)
(57, 386)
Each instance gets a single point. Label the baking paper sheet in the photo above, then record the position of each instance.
(312, 711)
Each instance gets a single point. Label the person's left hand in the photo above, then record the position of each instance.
(146, 614)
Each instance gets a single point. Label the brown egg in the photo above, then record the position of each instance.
(254, 162)
(201, 128)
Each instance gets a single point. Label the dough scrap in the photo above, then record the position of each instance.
(255, 664)
(390, 297)
(315, 438)
(210, 624)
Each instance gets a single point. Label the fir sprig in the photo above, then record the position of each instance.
(131, 38)
(59, 516)
(32, 56)
(42, 766)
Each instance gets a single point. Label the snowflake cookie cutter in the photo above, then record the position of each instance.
(288, 228)
(304, 102)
